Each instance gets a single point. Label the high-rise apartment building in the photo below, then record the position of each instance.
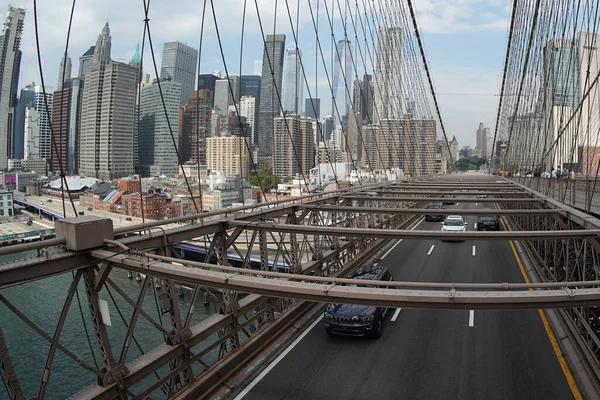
(293, 146)
(85, 61)
(179, 62)
(270, 90)
(342, 76)
(158, 155)
(407, 143)
(66, 105)
(249, 109)
(481, 141)
(37, 125)
(10, 65)
(26, 99)
(388, 73)
(293, 83)
(369, 157)
(312, 108)
(107, 115)
(64, 71)
(195, 125)
(228, 154)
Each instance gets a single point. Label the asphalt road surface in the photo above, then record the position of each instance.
(429, 354)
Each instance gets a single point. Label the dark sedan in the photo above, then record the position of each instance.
(488, 223)
(449, 199)
(433, 216)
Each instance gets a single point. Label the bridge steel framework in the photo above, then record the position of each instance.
(319, 239)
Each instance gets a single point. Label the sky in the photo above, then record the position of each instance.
(465, 42)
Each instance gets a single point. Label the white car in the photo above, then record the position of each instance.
(454, 223)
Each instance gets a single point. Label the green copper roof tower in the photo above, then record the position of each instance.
(135, 58)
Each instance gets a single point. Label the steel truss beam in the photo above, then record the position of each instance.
(416, 211)
(441, 199)
(406, 234)
(441, 192)
(332, 293)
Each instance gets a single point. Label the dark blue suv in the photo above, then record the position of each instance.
(355, 320)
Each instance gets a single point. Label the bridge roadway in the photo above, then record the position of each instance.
(425, 354)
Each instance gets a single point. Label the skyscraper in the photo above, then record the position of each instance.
(26, 99)
(10, 65)
(179, 62)
(293, 83)
(157, 154)
(223, 96)
(196, 125)
(328, 124)
(107, 115)
(342, 76)
(85, 61)
(37, 125)
(481, 138)
(66, 106)
(272, 75)
(388, 73)
(103, 46)
(367, 98)
(250, 86)
(357, 95)
(66, 65)
(312, 108)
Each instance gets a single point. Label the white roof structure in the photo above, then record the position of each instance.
(75, 183)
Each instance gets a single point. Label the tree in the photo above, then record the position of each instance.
(469, 163)
(264, 178)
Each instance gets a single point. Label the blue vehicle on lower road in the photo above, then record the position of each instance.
(355, 320)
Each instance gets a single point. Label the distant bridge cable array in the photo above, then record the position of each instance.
(552, 63)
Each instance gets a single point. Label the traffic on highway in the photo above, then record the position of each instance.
(358, 352)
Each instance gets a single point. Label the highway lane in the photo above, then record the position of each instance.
(429, 354)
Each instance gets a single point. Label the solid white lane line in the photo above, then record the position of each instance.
(277, 360)
(390, 250)
(431, 249)
(473, 250)
(397, 243)
(396, 313)
(471, 318)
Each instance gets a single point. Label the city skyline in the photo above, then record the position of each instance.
(440, 31)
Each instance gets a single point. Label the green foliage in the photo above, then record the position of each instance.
(467, 163)
(266, 178)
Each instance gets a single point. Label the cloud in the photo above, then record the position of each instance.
(461, 111)
(456, 16)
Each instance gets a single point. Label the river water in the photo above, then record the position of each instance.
(42, 302)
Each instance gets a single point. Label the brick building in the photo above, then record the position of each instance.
(155, 205)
